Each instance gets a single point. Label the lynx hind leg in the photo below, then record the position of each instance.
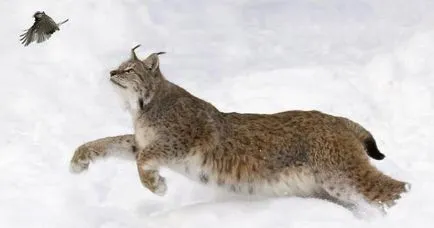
(365, 187)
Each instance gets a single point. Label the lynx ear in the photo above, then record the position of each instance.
(133, 53)
(152, 62)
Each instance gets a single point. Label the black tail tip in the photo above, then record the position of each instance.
(372, 149)
(377, 155)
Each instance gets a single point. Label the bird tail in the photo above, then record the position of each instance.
(63, 22)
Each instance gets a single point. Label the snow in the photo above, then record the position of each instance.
(371, 61)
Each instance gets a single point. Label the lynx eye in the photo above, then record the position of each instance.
(129, 70)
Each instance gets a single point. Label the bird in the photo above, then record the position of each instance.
(41, 30)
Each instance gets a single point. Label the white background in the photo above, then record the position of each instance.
(369, 60)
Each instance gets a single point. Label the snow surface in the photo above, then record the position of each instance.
(369, 60)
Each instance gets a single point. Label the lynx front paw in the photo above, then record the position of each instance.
(80, 161)
(154, 182)
(161, 187)
(78, 166)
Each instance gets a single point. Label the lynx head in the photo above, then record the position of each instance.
(138, 80)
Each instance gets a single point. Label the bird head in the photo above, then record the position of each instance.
(38, 14)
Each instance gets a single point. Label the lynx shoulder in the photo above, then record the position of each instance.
(290, 153)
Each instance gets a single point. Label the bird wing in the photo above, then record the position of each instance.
(29, 35)
(40, 31)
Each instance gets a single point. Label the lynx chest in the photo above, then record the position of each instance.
(144, 133)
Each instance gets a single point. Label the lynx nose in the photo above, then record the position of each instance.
(113, 73)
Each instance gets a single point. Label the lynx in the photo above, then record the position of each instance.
(291, 153)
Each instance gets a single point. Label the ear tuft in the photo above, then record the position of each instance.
(133, 53)
(152, 62)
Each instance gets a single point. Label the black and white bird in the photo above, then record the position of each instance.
(41, 30)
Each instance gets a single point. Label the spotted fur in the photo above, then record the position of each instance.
(290, 153)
